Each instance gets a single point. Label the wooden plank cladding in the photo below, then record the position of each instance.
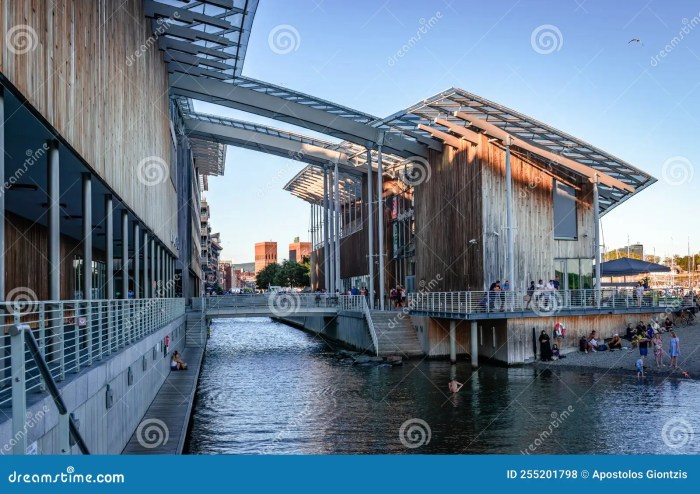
(461, 231)
(26, 244)
(448, 215)
(114, 113)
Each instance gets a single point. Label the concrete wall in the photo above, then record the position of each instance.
(106, 431)
(348, 328)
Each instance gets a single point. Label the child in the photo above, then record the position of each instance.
(659, 350)
(674, 350)
(555, 352)
(640, 367)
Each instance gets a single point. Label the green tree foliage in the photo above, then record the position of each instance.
(292, 274)
(268, 276)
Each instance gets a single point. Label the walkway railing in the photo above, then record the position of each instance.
(280, 302)
(370, 324)
(542, 302)
(73, 334)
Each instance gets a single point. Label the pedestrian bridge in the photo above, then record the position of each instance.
(278, 304)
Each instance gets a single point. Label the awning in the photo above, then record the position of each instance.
(630, 267)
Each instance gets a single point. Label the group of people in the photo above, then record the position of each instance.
(397, 295)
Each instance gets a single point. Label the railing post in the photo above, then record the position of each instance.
(19, 393)
(76, 339)
(88, 331)
(100, 328)
(469, 302)
(42, 339)
(58, 322)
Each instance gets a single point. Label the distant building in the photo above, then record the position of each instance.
(265, 253)
(299, 250)
(226, 274)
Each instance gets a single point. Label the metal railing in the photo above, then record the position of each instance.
(20, 335)
(73, 334)
(541, 302)
(370, 325)
(277, 301)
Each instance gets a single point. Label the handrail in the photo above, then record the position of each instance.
(35, 352)
(542, 302)
(370, 324)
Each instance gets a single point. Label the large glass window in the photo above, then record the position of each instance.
(564, 212)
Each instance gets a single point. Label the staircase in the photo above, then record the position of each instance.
(396, 335)
(196, 329)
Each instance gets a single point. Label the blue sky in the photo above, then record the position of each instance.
(594, 84)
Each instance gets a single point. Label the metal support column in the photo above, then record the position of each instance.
(137, 260)
(370, 226)
(146, 279)
(109, 236)
(338, 279)
(54, 222)
(331, 234)
(125, 254)
(474, 345)
(380, 214)
(2, 195)
(509, 222)
(453, 342)
(87, 236)
(596, 239)
(159, 274)
(326, 234)
(153, 287)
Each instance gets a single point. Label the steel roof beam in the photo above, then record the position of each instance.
(155, 9)
(258, 141)
(292, 112)
(575, 166)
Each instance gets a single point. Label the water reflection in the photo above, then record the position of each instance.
(268, 388)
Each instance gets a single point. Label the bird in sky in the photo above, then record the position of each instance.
(635, 40)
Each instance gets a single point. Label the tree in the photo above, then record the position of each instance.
(293, 274)
(268, 276)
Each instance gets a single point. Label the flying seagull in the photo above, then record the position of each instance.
(635, 40)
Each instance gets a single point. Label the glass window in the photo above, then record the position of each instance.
(559, 270)
(573, 275)
(587, 273)
(564, 212)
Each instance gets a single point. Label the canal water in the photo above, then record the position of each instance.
(266, 388)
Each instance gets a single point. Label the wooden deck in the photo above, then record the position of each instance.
(172, 406)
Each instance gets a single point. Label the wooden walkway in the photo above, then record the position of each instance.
(169, 413)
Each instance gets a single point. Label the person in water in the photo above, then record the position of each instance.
(454, 386)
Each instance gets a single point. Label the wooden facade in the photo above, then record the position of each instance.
(461, 219)
(26, 265)
(112, 112)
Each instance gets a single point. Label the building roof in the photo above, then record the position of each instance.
(440, 114)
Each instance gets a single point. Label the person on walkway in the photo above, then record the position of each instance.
(176, 362)
(658, 350)
(530, 293)
(674, 350)
(545, 347)
(639, 292)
